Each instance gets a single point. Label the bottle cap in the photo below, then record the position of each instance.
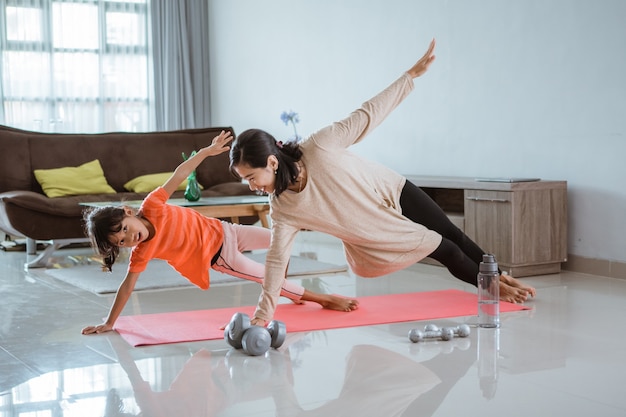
(489, 264)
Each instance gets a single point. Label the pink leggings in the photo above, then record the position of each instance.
(239, 238)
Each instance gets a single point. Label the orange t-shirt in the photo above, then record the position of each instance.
(183, 237)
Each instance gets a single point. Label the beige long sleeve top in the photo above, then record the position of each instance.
(351, 198)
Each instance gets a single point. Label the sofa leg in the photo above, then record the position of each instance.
(41, 261)
(31, 246)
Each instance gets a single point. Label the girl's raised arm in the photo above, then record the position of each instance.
(218, 145)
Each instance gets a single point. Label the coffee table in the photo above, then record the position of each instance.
(231, 207)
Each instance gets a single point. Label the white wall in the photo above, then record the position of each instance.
(519, 88)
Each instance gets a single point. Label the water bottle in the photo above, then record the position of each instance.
(488, 292)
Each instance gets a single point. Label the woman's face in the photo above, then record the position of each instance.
(260, 179)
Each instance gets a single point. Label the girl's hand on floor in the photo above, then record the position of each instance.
(102, 328)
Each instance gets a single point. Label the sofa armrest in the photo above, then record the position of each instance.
(5, 223)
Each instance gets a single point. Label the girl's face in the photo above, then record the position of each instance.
(132, 233)
(260, 179)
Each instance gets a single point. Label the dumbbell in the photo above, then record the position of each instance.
(431, 331)
(462, 330)
(416, 335)
(254, 340)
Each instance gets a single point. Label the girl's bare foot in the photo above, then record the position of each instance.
(513, 291)
(330, 301)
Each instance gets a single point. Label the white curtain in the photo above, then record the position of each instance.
(86, 66)
(180, 37)
(75, 66)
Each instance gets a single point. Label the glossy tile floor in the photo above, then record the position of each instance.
(565, 357)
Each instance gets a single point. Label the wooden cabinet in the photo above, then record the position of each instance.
(524, 224)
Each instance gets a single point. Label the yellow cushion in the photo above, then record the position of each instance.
(148, 182)
(87, 178)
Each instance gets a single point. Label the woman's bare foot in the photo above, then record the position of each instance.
(331, 301)
(513, 291)
(335, 302)
(516, 283)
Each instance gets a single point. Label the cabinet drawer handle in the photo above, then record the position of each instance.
(493, 200)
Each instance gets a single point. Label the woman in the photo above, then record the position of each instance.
(385, 222)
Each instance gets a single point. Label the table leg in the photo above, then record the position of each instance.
(262, 211)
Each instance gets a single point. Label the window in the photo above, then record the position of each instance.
(75, 66)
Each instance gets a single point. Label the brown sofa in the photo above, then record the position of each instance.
(25, 211)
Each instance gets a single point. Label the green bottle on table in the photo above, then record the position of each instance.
(192, 191)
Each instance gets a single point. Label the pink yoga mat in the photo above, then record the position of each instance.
(189, 326)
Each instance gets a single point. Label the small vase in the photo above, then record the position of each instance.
(192, 191)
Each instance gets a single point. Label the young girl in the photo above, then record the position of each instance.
(385, 222)
(188, 241)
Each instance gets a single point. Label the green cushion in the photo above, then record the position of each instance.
(84, 179)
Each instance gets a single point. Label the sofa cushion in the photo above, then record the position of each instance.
(147, 183)
(87, 178)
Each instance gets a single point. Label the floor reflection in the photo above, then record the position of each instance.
(488, 348)
(377, 382)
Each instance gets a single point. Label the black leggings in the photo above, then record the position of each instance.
(457, 252)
